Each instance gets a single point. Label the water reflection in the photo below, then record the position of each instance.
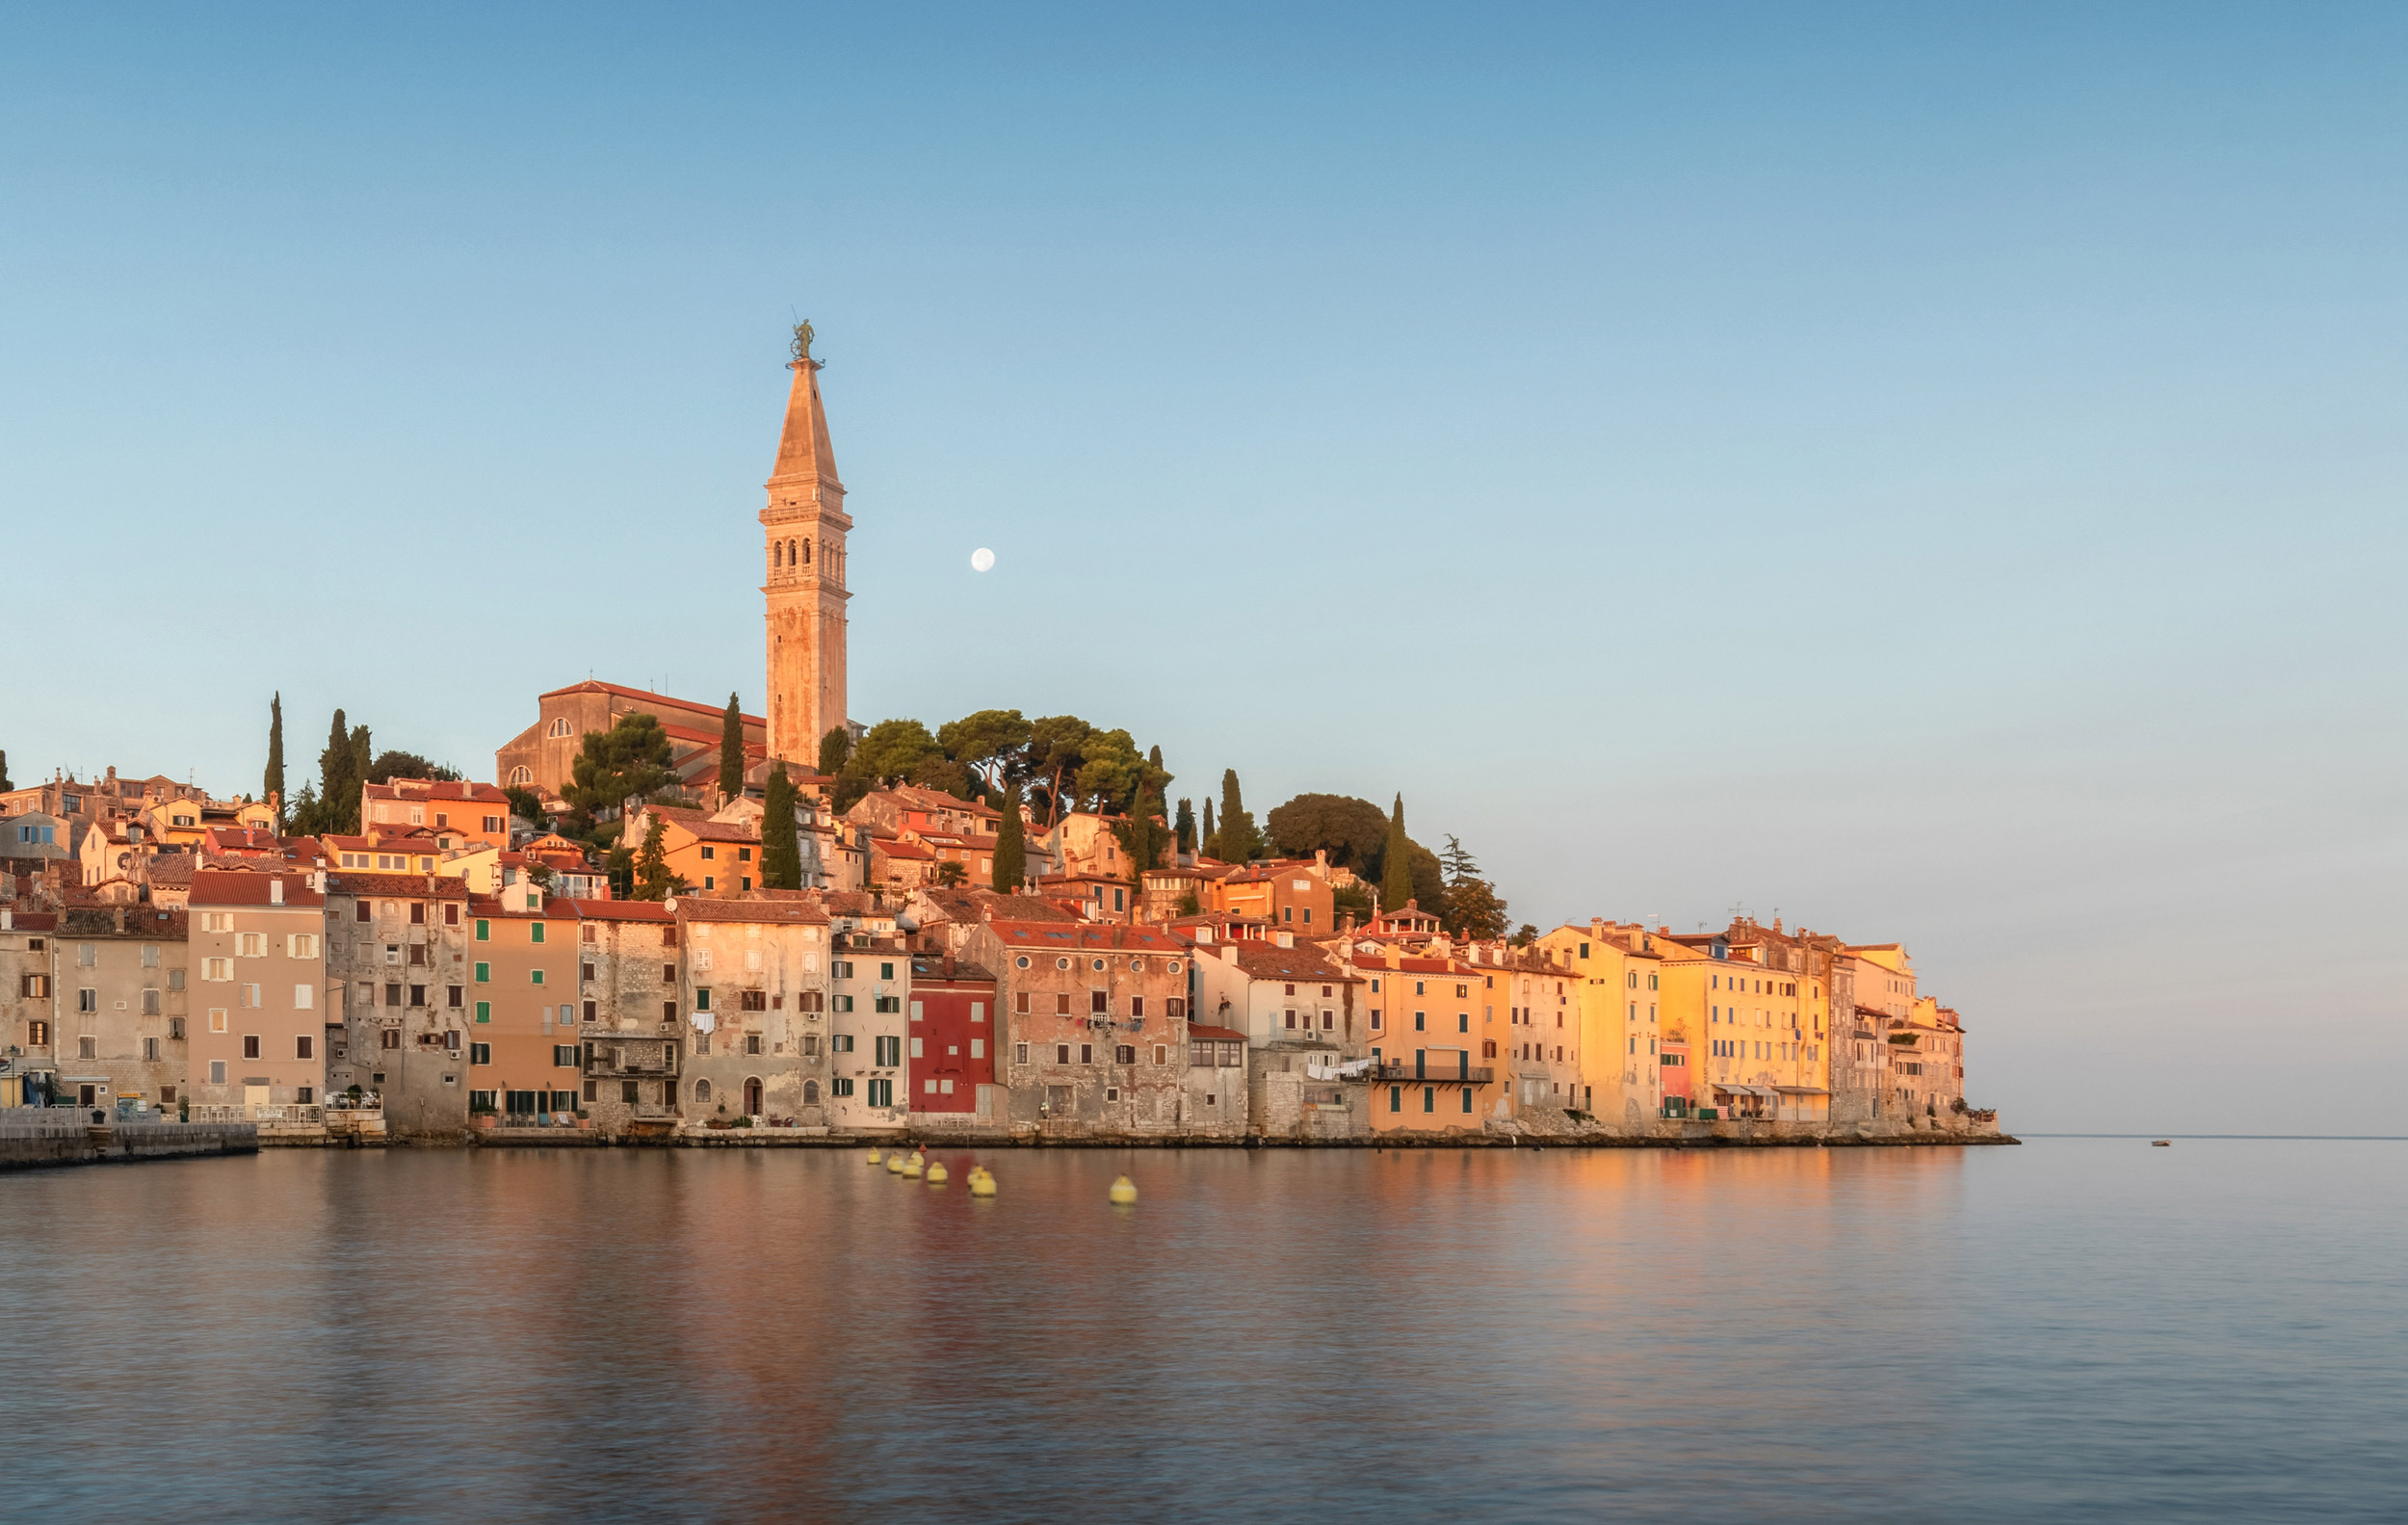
(2064, 1330)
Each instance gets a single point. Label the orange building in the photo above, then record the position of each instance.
(262, 1016)
(1293, 895)
(523, 1057)
(479, 811)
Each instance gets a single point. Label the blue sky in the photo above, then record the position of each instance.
(1939, 476)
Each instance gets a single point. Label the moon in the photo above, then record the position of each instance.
(981, 558)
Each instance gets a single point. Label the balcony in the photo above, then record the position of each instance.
(1392, 1070)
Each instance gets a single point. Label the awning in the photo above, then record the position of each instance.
(1801, 1091)
(1735, 1090)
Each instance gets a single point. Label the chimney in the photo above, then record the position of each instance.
(276, 889)
(1597, 928)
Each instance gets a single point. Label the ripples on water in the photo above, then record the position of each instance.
(2075, 1330)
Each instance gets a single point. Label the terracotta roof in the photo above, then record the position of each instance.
(169, 869)
(704, 827)
(1222, 1035)
(427, 789)
(351, 882)
(1267, 960)
(596, 686)
(1097, 935)
(616, 910)
(34, 921)
(141, 921)
(219, 886)
(798, 911)
(897, 847)
(931, 967)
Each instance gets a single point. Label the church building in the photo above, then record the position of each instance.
(803, 527)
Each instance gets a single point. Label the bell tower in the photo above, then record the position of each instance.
(803, 526)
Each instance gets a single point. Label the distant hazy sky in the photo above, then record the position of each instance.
(1937, 475)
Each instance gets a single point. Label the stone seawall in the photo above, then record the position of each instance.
(28, 1144)
(1671, 1135)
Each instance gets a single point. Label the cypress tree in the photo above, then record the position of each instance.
(1185, 825)
(1396, 863)
(336, 780)
(4, 772)
(1240, 842)
(363, 757)
(732, 751)
(781, 854)
(1211, 838)
(652, 876)
(835, 751)
(273, 783)
(1011, 848)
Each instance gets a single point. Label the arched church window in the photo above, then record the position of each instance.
(806, 553)
(522, 776)
(559, 727)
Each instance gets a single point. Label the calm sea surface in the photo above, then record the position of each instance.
(2076, 1330)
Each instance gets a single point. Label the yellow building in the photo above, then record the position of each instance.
(1619, 973)
(1753, 1009)
(1429, 1071)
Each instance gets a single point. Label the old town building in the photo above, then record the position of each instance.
(1095, 1024)
(398, 954)
(754, 996)
(258, 1023)
(950, 1042)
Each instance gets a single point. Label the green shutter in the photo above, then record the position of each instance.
(485, 932)
(538, 976)
(535, 934)
(484, 971)
(485, 1011)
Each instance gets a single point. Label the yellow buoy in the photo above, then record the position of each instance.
(982, 1182)
(894, 1165)
(936, 1173)
(911, 1169)
(873, 1156)
(1124, 1192)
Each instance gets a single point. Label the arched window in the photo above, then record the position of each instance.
(559, 727)
(522, 776)
(810, 1093)
(702, 1091)
(806, 553)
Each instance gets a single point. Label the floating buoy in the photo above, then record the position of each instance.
(911, 1169)
(981, 1181)
(873, 1156)
(894, 1163)
(1124, 1192)
(936, 1173)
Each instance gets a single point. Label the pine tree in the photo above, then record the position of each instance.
(273, 785)
(1395, 866)
(732, 751)
(652, 876)
(781, 852)
(1011, 847)
(1185, 825)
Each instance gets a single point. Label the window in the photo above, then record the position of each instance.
(840, 1087)
(840, 1043)
(217, 1072)
(752, 1042)
(565, 1056)
(1125, 1054)
(480, 1053)
(250, 1045)
(534, 977)
(1429, 1098)
(882, 1093)
(889, 1051)
(485, 1011)
(88, 1000)
(710, 854)
(303, 1047)
(1420, 1022)
(210, 970)
(1019, 1052)
(1086, 1053)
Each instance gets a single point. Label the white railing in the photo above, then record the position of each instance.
(285, 1112)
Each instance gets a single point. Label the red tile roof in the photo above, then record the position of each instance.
(234, 886)
(616, 909)
(351, 882)
(596, 686)
(1087, 935)
(464, 792)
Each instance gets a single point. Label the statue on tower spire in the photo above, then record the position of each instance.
(803, 343)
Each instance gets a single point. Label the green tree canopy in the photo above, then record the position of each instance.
(525, 802)
(391, 765)
(1475, 909)
(1238, 840)
(1183, 829)
(1353, 832)
(732, 750)
(892, 749)
(1057, 748)
(653, 880)
(990, 742)
(272, 786)
(1396, 863)
(1012, 846)
(1143, 836)
(631, 760)
(1112, 775)
(835, 748)
(781, 852)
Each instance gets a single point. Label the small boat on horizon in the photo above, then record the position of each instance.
(2160, 1143)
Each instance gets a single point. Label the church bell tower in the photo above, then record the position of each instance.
(804, 527)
